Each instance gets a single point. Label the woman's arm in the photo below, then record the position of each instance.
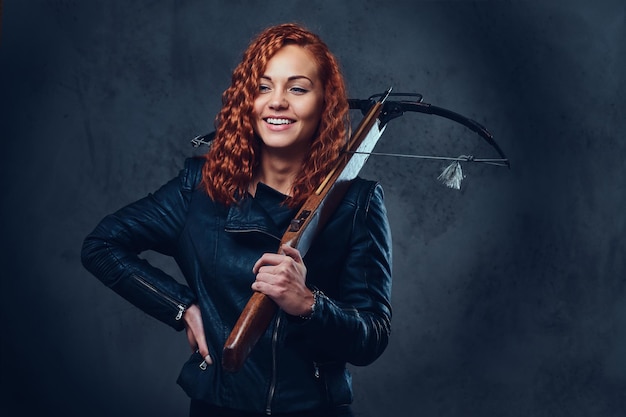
(354, 326)
(154, 222)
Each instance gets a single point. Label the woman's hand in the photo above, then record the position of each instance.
(283, 279)
(195, 332)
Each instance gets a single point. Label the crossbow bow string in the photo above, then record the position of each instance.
(452, 175)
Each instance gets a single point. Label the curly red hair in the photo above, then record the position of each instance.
(233, 158)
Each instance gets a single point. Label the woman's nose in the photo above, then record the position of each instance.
(278, 100)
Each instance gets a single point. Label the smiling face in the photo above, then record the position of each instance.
(288, 106)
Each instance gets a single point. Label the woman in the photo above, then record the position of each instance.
(283, 122)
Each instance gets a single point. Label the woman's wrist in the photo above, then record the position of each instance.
(311, 310)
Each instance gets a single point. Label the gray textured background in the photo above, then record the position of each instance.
(509, 295)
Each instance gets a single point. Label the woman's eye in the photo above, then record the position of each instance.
(264, 88)
(298, 90)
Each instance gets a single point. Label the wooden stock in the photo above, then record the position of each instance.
(316, 210)
(253, 321)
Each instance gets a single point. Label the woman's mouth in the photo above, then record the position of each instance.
(278, 121)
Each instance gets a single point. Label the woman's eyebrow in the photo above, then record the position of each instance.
(291, 78)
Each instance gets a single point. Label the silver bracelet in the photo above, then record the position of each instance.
(316, 293)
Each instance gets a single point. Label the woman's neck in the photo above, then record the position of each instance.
(277, 173)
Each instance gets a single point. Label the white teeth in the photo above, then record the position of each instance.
(274, 121)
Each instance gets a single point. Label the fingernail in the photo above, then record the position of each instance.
(206, 362)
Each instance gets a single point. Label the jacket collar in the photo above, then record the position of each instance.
(264, 212)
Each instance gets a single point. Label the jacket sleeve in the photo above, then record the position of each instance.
(111, 251)
(355, 326)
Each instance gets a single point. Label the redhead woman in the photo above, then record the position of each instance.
(283, 123)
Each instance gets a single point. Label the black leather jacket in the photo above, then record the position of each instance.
(298, 364)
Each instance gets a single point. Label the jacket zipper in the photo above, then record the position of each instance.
(181, 307)
(270, 395)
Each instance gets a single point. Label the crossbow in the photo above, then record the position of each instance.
(377, 111)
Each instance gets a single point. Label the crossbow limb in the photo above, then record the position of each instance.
(452, 175)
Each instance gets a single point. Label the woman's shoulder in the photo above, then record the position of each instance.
(363, 191)
(191, 174)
